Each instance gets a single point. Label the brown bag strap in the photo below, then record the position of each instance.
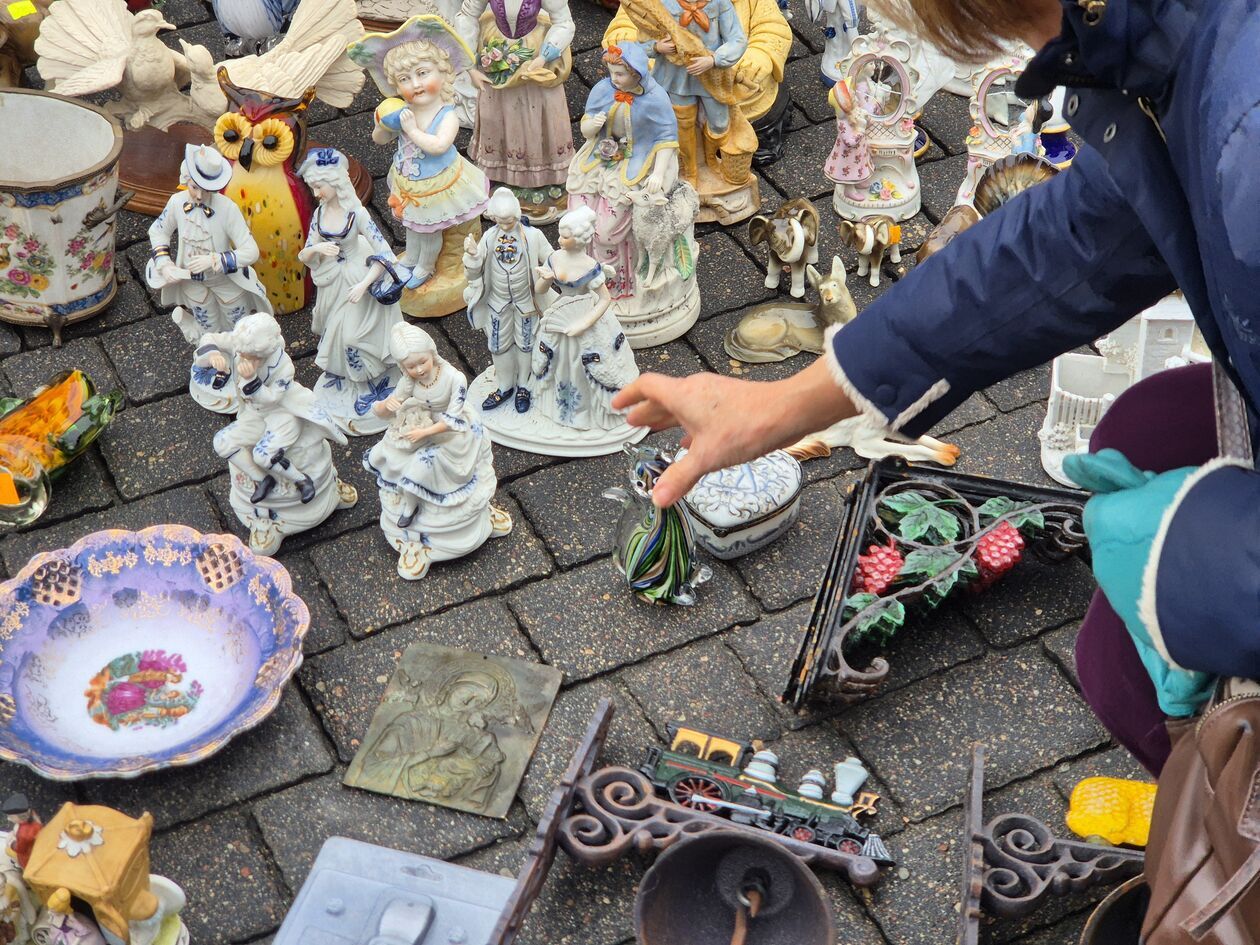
(1200, 923)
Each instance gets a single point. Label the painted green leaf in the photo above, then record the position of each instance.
(903, 503)
(931, 522)
(927, 562)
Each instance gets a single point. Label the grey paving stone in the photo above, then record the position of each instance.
(10, 341)
(853, 923)
(808, 32)
(359, 570)
(629, 737)
(1005, 448)
(940, 181)
(328, 628)
(586, 621)
(589, 65)
(1022, 389)
(45, 796)
(510, 464)
(590, 20)
(1017, 702)
(975, 409)
(1060, 646)
(791, 568)
(84, 487)
(185, 12)
(767, 646)
(162, 444)
(800, 172)
(804, 80)
(930, 642)
(296, 822)
(1033, 597)
(233, 892)
(676, 359)
(188, 506)
(129, 305)
(346, 685)
(1067, 932)
(728, 278)
(31, 370)
(131, 228)
(353, 135)
(1111, 763)
(566, 506)
(682, 686)
(946, 118)
(147, 357)
(287, 747)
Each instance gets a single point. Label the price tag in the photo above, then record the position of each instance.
(22, 8)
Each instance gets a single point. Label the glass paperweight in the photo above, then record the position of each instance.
(654, 548)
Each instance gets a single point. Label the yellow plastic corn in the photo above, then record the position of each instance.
(1113, 810)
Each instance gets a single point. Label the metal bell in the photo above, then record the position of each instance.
(696, 891)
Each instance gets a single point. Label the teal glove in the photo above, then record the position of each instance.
(1121, 522)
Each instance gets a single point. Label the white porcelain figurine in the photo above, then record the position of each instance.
(433, 467)
(283, 479)
(352, 267)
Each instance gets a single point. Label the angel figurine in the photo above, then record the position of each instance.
(352, 267)
(283, 478)
(432, 188)
(433, 467)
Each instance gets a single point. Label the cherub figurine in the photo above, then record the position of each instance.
(352, 267)
(433, 467)
(209, 280)
(283, 479)
(432, 188)
(500, 296)
(522, 137)
(645, 215)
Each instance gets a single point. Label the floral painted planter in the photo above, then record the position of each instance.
(133, 651)
(58, 198)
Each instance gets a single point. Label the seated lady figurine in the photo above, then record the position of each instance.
(644, 214)
(433, 466)
(434, 192)
(283, 478)
(348, 256)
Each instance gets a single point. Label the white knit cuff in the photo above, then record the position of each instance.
(876, 417)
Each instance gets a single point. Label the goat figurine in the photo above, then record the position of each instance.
(872, 237)
(791, 238)
(775, 331)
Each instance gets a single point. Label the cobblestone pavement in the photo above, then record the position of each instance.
(240, 830)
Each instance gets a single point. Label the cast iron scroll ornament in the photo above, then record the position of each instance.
(617, 811)
(1014, 863)
(979, 506)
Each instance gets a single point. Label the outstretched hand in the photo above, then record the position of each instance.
(726, 421)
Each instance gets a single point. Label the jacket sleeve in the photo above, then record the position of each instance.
(1200, 600)
(1057, 267)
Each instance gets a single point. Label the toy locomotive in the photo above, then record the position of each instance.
(732, 779)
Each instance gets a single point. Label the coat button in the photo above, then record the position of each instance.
(1072, 104)
(885, 395)
(1109, 133)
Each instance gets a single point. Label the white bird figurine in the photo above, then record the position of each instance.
(252, 23)
(89, 46)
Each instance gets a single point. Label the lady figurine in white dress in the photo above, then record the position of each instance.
(351, 265)
(433, 467)
(582, 357)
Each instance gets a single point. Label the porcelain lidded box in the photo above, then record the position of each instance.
(742, 508)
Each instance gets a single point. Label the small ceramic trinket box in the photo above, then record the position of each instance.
(740, 509)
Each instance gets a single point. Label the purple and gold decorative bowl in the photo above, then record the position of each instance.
(133, 651)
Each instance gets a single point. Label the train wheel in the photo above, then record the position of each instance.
(696, 792)
(803, 834)
(849, 846)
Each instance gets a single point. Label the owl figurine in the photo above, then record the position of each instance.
(265, 139)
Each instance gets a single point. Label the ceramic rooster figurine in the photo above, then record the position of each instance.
(655, 548)
(91, 46)
(255, 24)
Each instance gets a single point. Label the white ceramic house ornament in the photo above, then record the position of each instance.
(998, 120)
(877, 73)
(283, 478)
(579, 359)
(1084, 386)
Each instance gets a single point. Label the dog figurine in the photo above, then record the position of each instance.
(791, 238)
(872, 237)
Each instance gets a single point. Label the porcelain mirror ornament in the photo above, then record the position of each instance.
(433, 467)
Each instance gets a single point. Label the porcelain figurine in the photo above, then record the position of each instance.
(645, 215)
(879, 79)
(996, 127)
(581, 359)
(91, 46)
(1056, 146)
(356, 302)
(25, 826)
(840, 27)
(501, 269)
(283, 479)
(850, 160)
(741, 509)
(522, 137)
(871, 237)
(209, 279)
(19, 27)
(757, 88)
(252, 25)
(775, 331)
(434, 192)
(791, 238)
(655, 549)
(433, 467)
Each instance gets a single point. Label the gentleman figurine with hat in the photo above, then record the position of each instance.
(27, 826)
(209, 279)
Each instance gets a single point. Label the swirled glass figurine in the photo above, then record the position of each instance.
(654, 548)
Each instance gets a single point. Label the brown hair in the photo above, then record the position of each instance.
(966, 30)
